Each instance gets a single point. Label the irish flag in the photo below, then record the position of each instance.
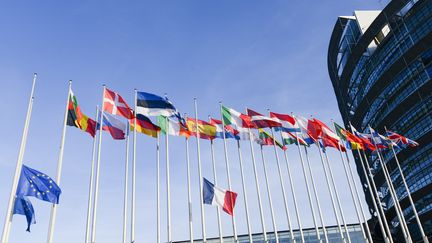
(231, 116)
(216, 196)
(174, 128)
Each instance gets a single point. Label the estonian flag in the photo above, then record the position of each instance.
(219, 197)
(154, 105)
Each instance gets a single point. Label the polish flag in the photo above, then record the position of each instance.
(114, 104)
(219, 197)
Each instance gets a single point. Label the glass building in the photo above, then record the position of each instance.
(284, 236)
(380, 65)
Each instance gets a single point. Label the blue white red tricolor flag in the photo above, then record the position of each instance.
(216, 196)
(114, 126)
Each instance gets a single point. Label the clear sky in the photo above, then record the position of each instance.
(255, 53)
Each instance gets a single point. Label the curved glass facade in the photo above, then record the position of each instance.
(381, 75)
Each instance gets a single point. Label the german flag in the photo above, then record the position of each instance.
(77, 119)
(144, 125)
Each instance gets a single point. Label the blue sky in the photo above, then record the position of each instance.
(258, 54)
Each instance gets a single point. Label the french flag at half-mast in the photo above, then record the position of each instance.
(219, 197)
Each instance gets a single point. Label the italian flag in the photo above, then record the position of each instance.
(231, 116)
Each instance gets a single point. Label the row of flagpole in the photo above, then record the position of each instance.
(90, 235)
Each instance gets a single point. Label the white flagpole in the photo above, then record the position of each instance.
(330, 192)
(318, 234)
(392, 193)
(158, 238)
(281, 181)
(125, 195)
(425, 238)
(269, 196)
(257, 187)
(372, 191)
(189, 190)
(350, 176)
(337, 198)
(316, 196)
(204, 237)
(367, 238)
(96, 195)
(133, 194)
(168, 182)
(91, 185)
(11, 202)
(59, 170)
(293, 194)
(227, 165)
(244, 190)
(216, 183)
(377, 198)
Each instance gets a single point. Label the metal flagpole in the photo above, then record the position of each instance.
(337, 197)
(425, 238)
(257, 187)
(372, 191)
(125, 195)
(215, 182)
(367, 238)
(11, 202)
(316, 195)
(133, 193)
(91, 185)
(293, 194)
(350, 177)
(158, 236)
(308, 191)
(227, 165)
(96, 195)
(204, 237)
(392, 193)
(378, 201)
(168, 182)
(189, 190)
(283, 188)
(244, 190)
(330, 192)
(59, 170)
(269, 196)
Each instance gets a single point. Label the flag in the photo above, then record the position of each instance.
(216, 196)
(352, 142)
(77, 119)
(260, 121)
(267, 139)
(377, 139)
(24, 206)
(174, 128)
(288, 123)
(36, 184)
(233, 117)
(328, 137)
(205, 129)
(401, 140)
(289, 138)
(230, 132)
(144, 125)
(114, 126)
(304, 133)
(364, 139)
(114, 104)
(154, 105)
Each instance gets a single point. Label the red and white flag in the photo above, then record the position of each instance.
(114, 104)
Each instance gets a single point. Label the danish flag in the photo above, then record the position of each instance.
(114, 104)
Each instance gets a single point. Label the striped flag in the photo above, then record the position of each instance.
(153, 105)
(230, 132)
(216, 196)
(233, 117)
(267, 139)
(174, 128)
(260, 121)
(205, 129)
(288, 123)
(77, 119)
(144, 125)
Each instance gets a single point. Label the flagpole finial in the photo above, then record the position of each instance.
(35, 74)
(70, 81)
(135, 89)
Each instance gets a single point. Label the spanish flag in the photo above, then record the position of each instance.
(77, 119)
(205, 129)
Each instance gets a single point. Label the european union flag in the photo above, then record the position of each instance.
(23, 206)
(37, 184)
